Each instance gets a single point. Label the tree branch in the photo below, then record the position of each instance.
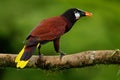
(82, 59)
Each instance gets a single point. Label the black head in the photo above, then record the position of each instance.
(74, 14)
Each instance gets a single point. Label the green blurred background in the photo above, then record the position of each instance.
(99, 32)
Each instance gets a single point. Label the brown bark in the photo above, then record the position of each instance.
(82, 59)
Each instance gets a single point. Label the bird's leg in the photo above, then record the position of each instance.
(39, 46)
(56, 46)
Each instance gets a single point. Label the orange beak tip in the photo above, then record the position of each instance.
(88, 14)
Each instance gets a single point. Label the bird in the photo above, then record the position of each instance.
(50, 29)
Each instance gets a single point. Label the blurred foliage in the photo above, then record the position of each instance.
(101, 31)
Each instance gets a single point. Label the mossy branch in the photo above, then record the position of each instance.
(77, 60)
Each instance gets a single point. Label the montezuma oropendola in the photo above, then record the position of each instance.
(50, 29)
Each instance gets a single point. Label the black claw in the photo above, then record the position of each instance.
(39, 55)
(61, 55)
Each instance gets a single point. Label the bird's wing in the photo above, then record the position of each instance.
(49, 29)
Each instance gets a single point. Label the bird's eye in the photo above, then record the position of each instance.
(77, 14)
(75, 11)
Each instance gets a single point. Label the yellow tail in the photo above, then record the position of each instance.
(21, 63)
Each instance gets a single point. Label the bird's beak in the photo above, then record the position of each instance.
(88, 14)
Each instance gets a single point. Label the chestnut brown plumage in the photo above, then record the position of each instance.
(50, 29)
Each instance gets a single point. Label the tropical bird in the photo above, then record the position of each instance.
(50, 29)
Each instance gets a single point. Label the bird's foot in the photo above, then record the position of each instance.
(40, 55)
(61, 54)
